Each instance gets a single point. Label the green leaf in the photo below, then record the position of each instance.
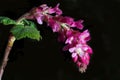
(27, 29)
(6, 21)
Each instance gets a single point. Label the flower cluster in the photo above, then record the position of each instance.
(77, 45)
(69, 33)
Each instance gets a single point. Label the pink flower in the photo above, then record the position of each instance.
(55, 10)
(84, 37)
(54, 25)
(73, 37)
(61, 35)
(81, 55)
(77, 37)
(75, 57)
(39, 18)
(79, 24)
(42, 11)
(68, 20)
(77, 46)
(76, 41)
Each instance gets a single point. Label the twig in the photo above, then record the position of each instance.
(8, 49)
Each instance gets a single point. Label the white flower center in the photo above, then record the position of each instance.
(79, 51)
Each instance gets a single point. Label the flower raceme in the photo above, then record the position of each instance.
(77, 45)
(76, 41)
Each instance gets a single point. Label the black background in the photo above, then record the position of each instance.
(44, 60)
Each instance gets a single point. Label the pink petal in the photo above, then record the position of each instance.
(72, 49)
(54, 25)
(79, 24)
(89, 50)
(55, 10)
(75, 59)
(39, 20)
(74, 55)
(84, 37)
(69, 40)
(43, 7)
(68, 20)
(61, 35)
(78, 64)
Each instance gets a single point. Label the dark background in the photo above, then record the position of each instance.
(44, 60)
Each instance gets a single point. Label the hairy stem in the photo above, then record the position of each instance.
(7, 51)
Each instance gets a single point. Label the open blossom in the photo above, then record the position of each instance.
(79, 24)
(54, 25)
(78, 37)
(81, 51)
(56, 10)
(70, 22)
(41, 13)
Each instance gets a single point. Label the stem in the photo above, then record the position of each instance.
(7, 51)
(8, 48)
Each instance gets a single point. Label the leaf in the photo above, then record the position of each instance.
(26, 30)
(6, 21)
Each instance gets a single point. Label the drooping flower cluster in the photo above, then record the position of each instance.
(76, 41)
(77, 45)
